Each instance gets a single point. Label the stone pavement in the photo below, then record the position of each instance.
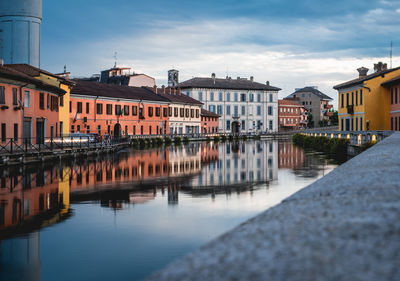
(345, 226)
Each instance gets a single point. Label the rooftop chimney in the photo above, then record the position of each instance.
(213, 77)
(362, 71)
(155, 89)
(267, 83)
(380, 66)
(251, 78)
(163, 89)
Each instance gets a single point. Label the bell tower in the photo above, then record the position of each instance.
(173, 78)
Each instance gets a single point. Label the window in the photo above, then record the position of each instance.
(158, 111)
(236, 97)
(270, 110)
(212, 96)
(118, 109)
(197, 113)
(170, 111)
(2, 95)
(54, 103)
(150, 111)
(228, 110)
(347, 99)
(15, 96)
(165, 111)
(200, 96)
(211, 108)
(251, 97)
(243, 97)
(356, 97)
(192, 113)
(99, 108)
(228, 96)
(361, 123)
(79, 107)
(228, 124)
(243, 125)
(391, 123)
(48, 102)
(361, 98)
(259, 110)
(271, 98)
(243, 110)
(70, 106)
(126, 109)
(342, 100)
(141, 113)
(41, 101)
(219, 109)
(134, 110)
(220, 96)
(27, 99)
(271, 127)
(87, 108)
(182, 112)
(99, 129)
(72, 129)
(352, 98)
(109, 109)
(62, 101)
(258, 97)
(236, 110)
(342, 124)
(78, 128)
(3, 132)
(175, 111)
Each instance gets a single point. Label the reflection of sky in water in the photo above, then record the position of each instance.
(99, 243)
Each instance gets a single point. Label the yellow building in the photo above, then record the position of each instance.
(364, 105)
(58, 80)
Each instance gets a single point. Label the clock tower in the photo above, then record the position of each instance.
(173, 78)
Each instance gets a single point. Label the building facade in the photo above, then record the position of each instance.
(393, 86)
(123, 76)
(183, 113)
(117, 110)
(61, 81)
(364, 104)
(316, 103)
(292, 115)
(209, 122)
(245, 106)
(28, 107)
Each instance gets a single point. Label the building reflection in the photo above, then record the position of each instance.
(290, 156)
(238, 163)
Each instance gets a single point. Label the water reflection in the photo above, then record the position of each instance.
(173, 176)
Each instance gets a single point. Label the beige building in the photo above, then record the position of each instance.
(184, 112)
(124, 76)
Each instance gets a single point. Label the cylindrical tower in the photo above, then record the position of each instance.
(20, 31)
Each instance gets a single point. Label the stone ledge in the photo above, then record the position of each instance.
(345, 226)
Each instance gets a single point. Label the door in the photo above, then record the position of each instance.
(39, 132)
(27, 131)
(117, 130)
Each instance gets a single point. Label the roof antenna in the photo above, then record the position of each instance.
(391, 53)
(115, 59)
(65, 68)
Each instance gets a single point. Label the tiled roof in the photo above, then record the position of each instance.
(395, 80)
(10, 73)
(115, 91)
(360, 80)
(33, 71)
(218, 83)
(288, 102)
(314, 91)
(208, 113)
(178, 97)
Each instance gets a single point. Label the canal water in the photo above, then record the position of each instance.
(127, 215)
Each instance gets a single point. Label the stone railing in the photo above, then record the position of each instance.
(355, 138)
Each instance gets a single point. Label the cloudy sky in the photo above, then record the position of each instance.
(290, 43)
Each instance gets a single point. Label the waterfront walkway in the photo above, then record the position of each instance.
(344, 226)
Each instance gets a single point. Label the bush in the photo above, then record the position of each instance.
(224, 138)
(167, 141)
(208, 139)
(134, 142)
(159, 141)
(230, 138)
(142, 143)
(367, 145)
(185, 140)
(336, 147)
(244, 137)
(216, 138)
(257, 137)
(177, 140)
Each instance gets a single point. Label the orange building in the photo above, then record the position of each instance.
(117, 110)
(209, 122)
(394, 87)
(292, 115)
(28, 107)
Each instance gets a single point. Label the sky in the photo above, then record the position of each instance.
(290, 43)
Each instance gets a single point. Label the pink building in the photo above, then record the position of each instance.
(209, 122)
(394, 86)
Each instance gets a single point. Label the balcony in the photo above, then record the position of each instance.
(350, 109)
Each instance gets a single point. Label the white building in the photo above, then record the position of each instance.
(245, 106)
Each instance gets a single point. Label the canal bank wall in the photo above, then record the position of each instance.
(344, 226)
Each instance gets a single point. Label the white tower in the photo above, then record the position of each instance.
(20, 31)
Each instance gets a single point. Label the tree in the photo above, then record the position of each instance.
(334, 118)
(310, 120)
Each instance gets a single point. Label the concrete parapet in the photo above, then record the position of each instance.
(344, 226)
